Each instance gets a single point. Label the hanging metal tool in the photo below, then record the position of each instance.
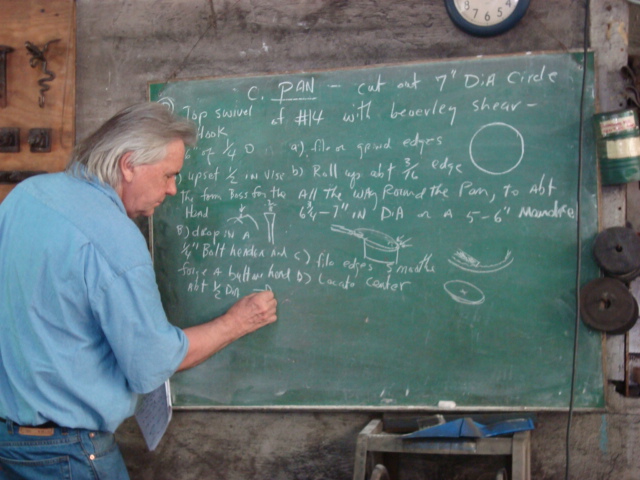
(4, 49)
(631, 86)
(9, 140)
(16, 176)
(40, 140)
(38, 57)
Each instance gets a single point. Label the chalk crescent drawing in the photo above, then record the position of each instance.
(464, 261)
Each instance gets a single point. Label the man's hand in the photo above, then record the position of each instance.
(252, 312)
(247, 315)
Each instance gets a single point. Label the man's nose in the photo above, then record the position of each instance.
(172, 189)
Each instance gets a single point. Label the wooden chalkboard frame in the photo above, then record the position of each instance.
(192, 389)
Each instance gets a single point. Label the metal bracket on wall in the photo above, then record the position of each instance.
(9, 140)
(17, 176)
(38, 56)
(40, 140)
(4, 49)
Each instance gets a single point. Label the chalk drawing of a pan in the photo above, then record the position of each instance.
(378, 247)
(464, 261)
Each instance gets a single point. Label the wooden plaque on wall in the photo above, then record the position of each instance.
(49, 27)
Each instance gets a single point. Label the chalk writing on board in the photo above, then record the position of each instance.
(242, 217)
(485, 160)
(466, 262)
(417, 171)
(464, 292)
(378, 246)
(380, 205)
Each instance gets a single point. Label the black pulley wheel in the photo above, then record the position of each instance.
(607, 305)
(617, 252)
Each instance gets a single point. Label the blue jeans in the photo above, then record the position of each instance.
(58, 453)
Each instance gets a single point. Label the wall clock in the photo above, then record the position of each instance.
(486, 18)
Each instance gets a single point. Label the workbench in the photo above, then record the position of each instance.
(373, 442)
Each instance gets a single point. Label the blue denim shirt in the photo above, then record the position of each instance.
(82, 327)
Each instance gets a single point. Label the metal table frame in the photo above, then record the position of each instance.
(372, 442)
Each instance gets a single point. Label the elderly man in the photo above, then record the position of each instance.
(82, 328)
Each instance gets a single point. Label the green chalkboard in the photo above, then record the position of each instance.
(417, 223)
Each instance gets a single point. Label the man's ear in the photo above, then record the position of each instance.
(126, 169)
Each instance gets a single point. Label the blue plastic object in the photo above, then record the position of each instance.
(468, 428)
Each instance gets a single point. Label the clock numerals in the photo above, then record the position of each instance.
(486, 17)
(485, 13)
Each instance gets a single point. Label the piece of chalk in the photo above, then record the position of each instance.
(446, 404)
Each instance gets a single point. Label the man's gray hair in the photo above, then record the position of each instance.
(144, 129)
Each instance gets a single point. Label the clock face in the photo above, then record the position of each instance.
(486, 12)
(486, 17)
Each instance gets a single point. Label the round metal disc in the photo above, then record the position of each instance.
(607, 305)
(617, 252)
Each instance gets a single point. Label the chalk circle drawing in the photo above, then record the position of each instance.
(466, 262)
(378, 247)
(496, 148)
(167, 102)
(464, 292)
